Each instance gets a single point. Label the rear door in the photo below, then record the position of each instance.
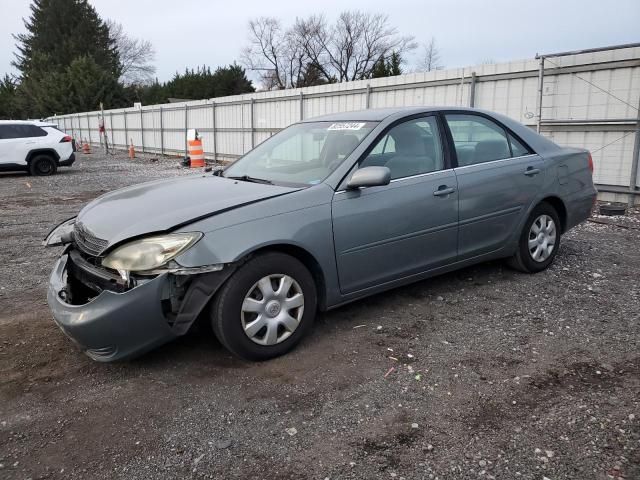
(17, 140)
(9, 141)
(498, 179)
(409, 226)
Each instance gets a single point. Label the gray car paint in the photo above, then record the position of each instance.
(160, 205)
(356, 243)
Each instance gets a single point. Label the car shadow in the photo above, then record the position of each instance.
(200, 346)
(64, 171)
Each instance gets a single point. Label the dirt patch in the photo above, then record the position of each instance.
(489, 373)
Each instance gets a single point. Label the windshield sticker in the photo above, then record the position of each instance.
(346, 126)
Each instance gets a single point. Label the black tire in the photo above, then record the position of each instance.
(523, 259)
(42, 166)
(226, 309)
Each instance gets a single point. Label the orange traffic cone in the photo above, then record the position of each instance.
(132, 151)
(86, 148)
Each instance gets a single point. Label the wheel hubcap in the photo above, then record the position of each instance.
(272, 309)
(542, 238)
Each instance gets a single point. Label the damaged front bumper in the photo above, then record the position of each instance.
(118, 324)
(111, 326)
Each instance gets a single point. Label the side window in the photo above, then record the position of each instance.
(410, 148)
(21, 131)
(10, 131)
(477, 139)
(385, 145)
(34, 131)
(517, 148)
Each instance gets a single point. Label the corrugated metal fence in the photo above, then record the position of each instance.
(587, 99)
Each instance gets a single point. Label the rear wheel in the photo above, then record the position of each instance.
(42, 166)
(265, 308)
(539, 241)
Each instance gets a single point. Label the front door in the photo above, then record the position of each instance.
(407, 227)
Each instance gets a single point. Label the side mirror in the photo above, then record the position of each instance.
(369, 177)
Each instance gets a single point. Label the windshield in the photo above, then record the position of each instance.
(303, 154)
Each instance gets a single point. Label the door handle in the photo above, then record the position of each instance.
(530, 171)
(443, 191)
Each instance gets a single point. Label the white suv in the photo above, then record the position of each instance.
(37, 147)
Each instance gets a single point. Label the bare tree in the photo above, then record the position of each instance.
(430, 57)
(136, 56)
(277, 55)
(358, 40)
(313, 35)
(312, 51)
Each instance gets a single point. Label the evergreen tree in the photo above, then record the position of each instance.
(231, 80)
(9, 107)
(393, 65)
(379, 68)
(201, 83)
(59, 31)
(67, 60)
(387, 67)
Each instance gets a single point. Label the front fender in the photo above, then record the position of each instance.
(309, 229)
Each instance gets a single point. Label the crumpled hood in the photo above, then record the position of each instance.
(164, 204)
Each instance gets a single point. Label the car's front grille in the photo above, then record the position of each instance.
(87, 242)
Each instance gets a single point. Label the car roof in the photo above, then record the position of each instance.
(27, 122)
(379, 114)
(537, 142)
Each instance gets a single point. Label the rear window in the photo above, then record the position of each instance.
(21, 131)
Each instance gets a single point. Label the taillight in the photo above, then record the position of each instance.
(590, 163)
(65, 139)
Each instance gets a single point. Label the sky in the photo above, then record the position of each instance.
(188, 33)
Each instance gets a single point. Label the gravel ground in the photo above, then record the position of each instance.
(484, 373)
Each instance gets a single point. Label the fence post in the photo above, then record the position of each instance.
(126, 130)
(633, 181)
(141, 129)
(89, 128)
(472, 92)
(368, 99)
(213, 113)
(540, 90)
(253, 129)
(301, 105)
(80, 128)
(111, 130)
(161, 134)
(186, 129)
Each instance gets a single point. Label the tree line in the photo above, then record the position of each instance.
(61, 71)
(71, 60)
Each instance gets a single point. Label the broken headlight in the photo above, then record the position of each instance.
(148, 254)
(61, 235)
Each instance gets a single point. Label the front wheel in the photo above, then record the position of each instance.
(539, 241)
(266, 307)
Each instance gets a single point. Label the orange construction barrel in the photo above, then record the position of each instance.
(196, 153)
